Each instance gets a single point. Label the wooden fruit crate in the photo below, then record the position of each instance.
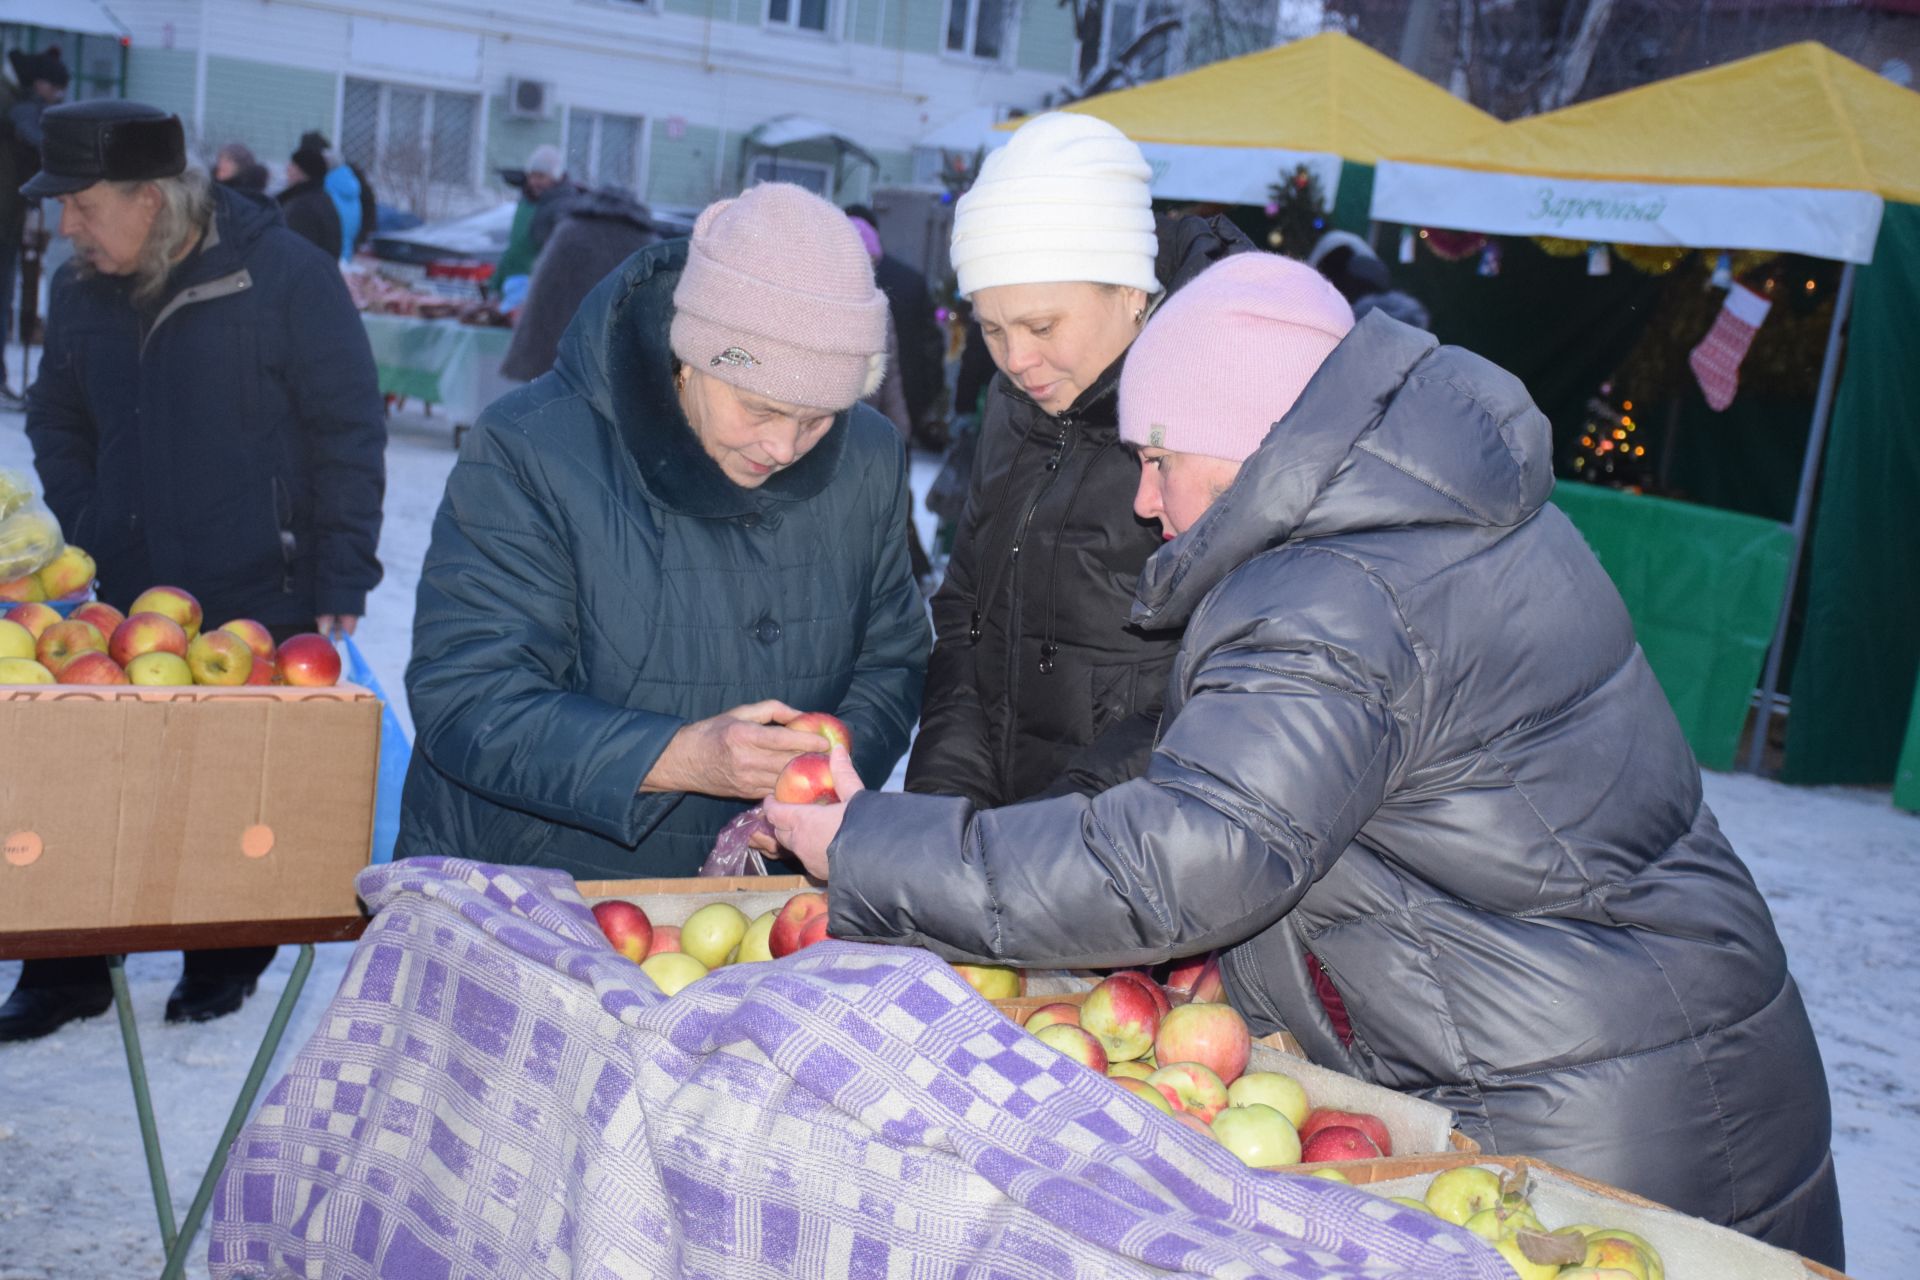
(671, 901)
(1689, 1246)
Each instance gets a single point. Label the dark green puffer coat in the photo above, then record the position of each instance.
(1409, 733)
(595, 582)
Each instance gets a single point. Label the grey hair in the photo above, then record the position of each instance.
(186, 210)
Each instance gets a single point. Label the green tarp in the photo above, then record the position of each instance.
(1703, 588)
(1906, 780)
(1853, 683)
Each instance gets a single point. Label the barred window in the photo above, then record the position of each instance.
(978, 28)
(603, 150)
(410, 139)
(802, 15)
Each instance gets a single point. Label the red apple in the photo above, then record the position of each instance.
(832, 728)
(1155, 992)
(807, 779)
(146, 633)
(814, 930)
(100, 614)
(219, 658)
(34, 616)
(260, 673)
(171, 602)
(1209, 987)
(1187, 972)
(1193, 1122)
(308, 659)
(793, 917)
(69, 574)
(1145, 1092)
(1076, 1044)
(626, 927)
(666, 937)
(1212, 1034)
(1048, 1015)
(1338, 1142)
(258, 638)
(1191, 1087)
(92, 668)
(1371, 1125)
(62, 642)
(1123, 1016)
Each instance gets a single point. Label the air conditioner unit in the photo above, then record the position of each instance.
(529, 99)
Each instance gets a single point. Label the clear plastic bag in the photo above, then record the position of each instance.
(29, 533)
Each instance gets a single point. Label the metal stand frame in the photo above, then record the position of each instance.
(1802, 516)
(177, 1241)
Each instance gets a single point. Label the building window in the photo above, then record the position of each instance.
(800, 15)
(978, 28)
(411, 140)
(1125, 20)
(604, 150)
(817, 178)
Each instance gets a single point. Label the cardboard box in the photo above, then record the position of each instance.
(133, 806)
(1689, 1247)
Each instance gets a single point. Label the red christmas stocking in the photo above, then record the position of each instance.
(1716, 361)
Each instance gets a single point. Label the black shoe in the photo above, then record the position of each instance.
(32, 1012)
(202, 999)
(9, 402)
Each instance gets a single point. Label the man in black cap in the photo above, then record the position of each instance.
(43, 80)
(206, 416)
(308, 208)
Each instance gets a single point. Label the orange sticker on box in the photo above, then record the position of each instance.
(257, 841)
(23, 848)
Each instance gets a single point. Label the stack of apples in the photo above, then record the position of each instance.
(1496, 1209)
(158, 643)
(718, 934)
(1190, 1061)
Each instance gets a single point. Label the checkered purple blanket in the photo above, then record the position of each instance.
(494, 1092)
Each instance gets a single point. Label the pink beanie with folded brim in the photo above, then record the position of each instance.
(777, 298)
(1225, 358)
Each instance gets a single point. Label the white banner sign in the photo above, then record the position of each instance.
(1232, 175)
(1824, 224)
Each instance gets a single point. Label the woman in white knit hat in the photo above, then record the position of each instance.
(1037, 682)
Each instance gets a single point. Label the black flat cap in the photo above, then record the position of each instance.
(105, 140)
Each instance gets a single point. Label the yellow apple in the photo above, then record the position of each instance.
(159, 668)
(712, 932)
(170, 602)
(754, 946)
(23, 590)
(994, 981)
(219, 658)
(69, 573)
(23, 671)
(672, 971)
(15, 640)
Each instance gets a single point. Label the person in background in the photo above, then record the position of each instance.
(917, 333)
(544, 192)
(343, 187)
(601, 230)
(889, 399)
(1416, 778)
(1353, 268)
(651, 559)
(237, 167)
(308, 209)
(42, 82)
(1038, 681)
(184, 299)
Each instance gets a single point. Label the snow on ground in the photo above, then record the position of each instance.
(1839, 867)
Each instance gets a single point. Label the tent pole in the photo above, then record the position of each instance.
(1802, 514)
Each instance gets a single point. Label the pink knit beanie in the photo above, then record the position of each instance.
(777, 298)
(1224, 358)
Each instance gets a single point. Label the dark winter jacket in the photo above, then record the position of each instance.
(923, 347)
(1409, 732)
(310, 212)
(230, 439)
(595, 582)
(1036, 670)
(602, 230)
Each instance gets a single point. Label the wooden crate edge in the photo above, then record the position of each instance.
(693, 885)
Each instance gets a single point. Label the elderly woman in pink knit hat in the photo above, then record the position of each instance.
(1415, 781)
(652, 558)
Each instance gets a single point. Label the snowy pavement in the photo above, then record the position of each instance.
(1841, 868)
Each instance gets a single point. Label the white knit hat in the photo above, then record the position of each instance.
(1066, 199)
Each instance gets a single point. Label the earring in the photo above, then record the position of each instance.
(1139, 317)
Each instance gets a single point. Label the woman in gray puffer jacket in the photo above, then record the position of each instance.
(1411, 744)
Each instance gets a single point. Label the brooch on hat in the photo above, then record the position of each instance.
(734, 356)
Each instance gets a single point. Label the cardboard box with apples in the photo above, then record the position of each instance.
(123, 805)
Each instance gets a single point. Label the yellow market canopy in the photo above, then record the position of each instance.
(1791, 151)
(1225, 131)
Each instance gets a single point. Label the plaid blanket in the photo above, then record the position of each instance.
(494, 1092)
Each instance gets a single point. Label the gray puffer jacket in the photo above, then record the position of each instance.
(1409, 733)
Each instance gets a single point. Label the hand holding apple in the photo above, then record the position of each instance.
(808, 829)
(737, 754)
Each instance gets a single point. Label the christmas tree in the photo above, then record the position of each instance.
(1610, 451)
(1297, 207)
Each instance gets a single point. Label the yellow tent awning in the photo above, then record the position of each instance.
(1789, 150)
(1328, 93)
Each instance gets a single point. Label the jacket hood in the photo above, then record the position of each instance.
(1188, 246)
(615, 355)
(1394, 431)
(240, 218)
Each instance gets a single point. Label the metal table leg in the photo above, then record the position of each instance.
(276, 1029)
(142, 1101)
